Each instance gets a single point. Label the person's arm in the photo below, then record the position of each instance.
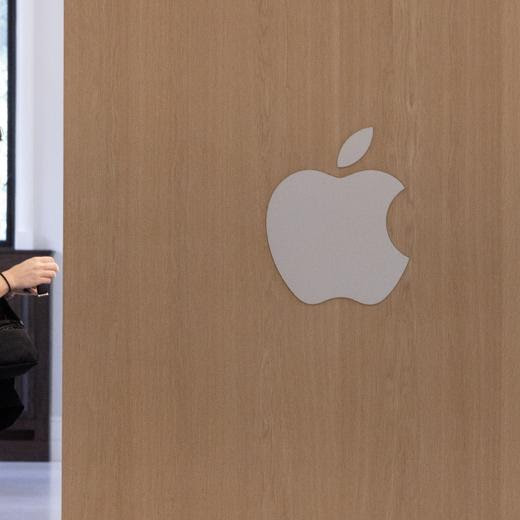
(4, 289)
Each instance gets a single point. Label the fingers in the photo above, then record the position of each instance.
(47, 276)
(27, 291)
(48, 273)
(48, 269)
(47, 261)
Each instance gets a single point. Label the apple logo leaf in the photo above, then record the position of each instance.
(355, 147)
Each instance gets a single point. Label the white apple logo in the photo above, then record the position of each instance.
(328, 235)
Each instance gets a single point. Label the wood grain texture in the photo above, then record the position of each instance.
(196, 386)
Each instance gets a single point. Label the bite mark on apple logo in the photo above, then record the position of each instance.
(328, 235)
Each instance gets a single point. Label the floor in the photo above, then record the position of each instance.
(30, 490)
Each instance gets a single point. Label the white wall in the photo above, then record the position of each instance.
(39, 153)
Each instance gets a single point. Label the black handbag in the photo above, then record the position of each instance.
(11, 407)
(17, 351)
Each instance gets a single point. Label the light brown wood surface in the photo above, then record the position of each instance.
(196, 386)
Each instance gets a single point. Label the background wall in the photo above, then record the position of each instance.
(206, 390)
(39, 176)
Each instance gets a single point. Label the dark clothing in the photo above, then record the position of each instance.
(10, 405)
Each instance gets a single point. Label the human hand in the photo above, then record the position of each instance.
(30, 273)
(32, 291)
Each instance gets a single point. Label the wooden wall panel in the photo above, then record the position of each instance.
(196, 386)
